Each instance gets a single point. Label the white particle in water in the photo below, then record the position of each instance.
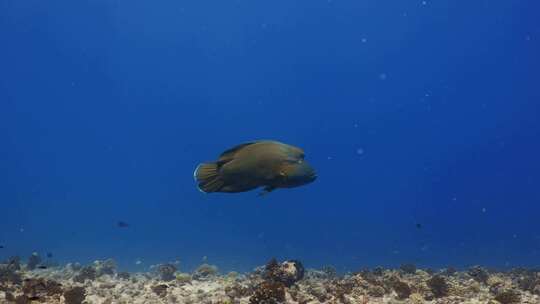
(359, 151)
(364, 40)
(329, 157)
(383, 76)
(484, 210)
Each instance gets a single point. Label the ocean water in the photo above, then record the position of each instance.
(421, 118)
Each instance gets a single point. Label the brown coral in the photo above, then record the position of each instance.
(288, 272)
(479, 274)
(438, 285)
(268, 292)
(166, 272)
(402, 289)
(40, 288)
(75, 295)
(160, 290)
(86, 273)
(204, 272)
(508, 296)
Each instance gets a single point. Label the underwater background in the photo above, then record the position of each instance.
(421, 118)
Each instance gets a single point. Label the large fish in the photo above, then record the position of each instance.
(268, 164)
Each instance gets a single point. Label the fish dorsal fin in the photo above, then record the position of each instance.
(228, 155)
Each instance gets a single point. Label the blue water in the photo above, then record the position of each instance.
(413, 113)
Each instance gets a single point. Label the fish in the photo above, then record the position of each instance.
(122, 224)
(1, 246)
(49, 255)
(42, 267)
(245, 167)
(418, 225)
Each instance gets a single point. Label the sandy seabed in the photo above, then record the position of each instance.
(276, 282)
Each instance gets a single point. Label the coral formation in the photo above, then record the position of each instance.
(41, 288)
(74, 266)
(479, 274)
(166, 272)
(270, 284)
(13, 263)
(401, 288)
(123, 275)
(288, 272)
(105, 267)
(9, 273)
(33, 261)
(268, 292)
(528, 281)
(205, 271)
(329, 271)
(75, 295)
(160, 290)
(508, 296)
(86, 273)
(438, 286)
(183, 278)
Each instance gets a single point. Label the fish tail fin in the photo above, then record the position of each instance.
(208, 178)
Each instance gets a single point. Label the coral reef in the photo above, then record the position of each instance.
(8, 273)
(33, 261)
(123, 275)
(479, 274)
(74, 266)
(166, 272)
(277, 282)
(41, 288)
(205, 271)
(268, 292)
(160, 290)
(288, 272)
(183, 278)
(401, 288)
(438, 286)
(508, 296)
(75, 295)
(86, 273)
(105, 267)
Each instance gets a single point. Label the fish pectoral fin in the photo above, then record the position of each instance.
(267, 190)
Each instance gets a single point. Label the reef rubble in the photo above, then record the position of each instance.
(277, 282)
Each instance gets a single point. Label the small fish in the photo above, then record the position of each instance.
(268, 164)
(42, 267)
(418, 226)
(49, 255)
(122, 224)
(1, 246)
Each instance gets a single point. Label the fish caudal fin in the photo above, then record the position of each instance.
(207, 176)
